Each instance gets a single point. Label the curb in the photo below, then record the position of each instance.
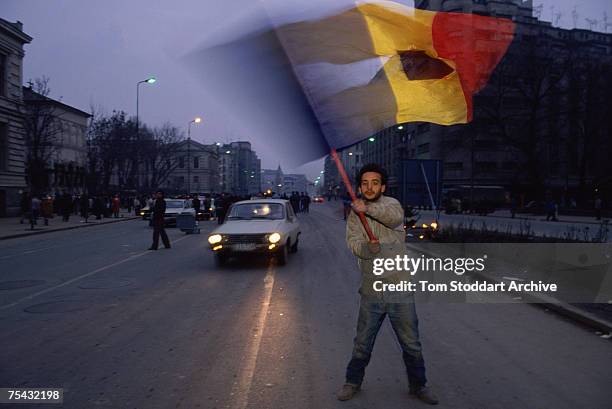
(34, 233)
(550, 303)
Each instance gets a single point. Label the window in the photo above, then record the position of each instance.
(486, 166)
(3, 146)
(196, 179)
(196, 162)
(3, 70)
(182, 162)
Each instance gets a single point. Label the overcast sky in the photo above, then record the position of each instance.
(95, 52)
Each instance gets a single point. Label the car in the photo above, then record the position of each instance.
(174, 207)
(207, 208)
(418, 228)
(318, 199)
(263, 226)
(145, 213)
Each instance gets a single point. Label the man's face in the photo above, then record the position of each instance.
(158, 195)
(371, 186)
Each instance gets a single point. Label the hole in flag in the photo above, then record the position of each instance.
(419, 66)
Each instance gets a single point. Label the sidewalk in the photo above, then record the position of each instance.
(10, 227)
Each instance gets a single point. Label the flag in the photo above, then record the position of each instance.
(347, 76)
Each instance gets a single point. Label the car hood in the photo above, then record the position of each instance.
(249, 226)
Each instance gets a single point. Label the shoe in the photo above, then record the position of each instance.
(168, 248)
(424, 394)
(151, 248)
(347, 391)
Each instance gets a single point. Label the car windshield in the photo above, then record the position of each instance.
(249, 211)
(174, 203)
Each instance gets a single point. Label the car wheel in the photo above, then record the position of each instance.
(294, 248)
(220, 259)
(283, 254)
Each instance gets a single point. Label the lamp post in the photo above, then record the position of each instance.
(149, 80)
(196, 120)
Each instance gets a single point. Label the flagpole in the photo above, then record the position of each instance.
(351, 193)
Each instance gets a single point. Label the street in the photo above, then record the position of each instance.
(117, 326)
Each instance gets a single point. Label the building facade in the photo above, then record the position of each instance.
(66, 156)
(239, 169)
(12, 132)
(195, 169)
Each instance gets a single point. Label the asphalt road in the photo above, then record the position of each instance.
(117, 326)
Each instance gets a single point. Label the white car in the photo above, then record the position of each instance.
(175, 207)
(266, 226)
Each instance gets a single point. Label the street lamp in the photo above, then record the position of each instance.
(150, 80)
(196, 120)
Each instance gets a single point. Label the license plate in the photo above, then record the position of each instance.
(244, 247)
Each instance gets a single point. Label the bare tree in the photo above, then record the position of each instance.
(159, 153)
(43, 128)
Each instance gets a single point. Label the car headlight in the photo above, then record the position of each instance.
(274, 238)
(434, 225)
(215, 238)
(142, 213)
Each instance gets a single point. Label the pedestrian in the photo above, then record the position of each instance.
(305, 203)
(116, 206)
(551, 210)
(66, 206)
(24, 206)
(84, 207)
(346, 203)
(597, 208)
(136, 206)
(46, 209)
(386, 217)
(513, 206)
(196, 205)
(35, 210)
(157, 216)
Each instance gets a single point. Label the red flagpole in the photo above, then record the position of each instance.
(351, 192)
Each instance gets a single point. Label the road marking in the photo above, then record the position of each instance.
(65, 283)
(242, 387)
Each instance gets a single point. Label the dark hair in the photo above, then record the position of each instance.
(160, 191)
(373, 167)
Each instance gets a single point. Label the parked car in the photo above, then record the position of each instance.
(318, 199)
(264, 226)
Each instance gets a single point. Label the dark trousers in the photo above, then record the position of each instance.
(158, 229)
(404, 322)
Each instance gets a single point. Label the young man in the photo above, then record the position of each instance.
(157, 216)
(386, 217)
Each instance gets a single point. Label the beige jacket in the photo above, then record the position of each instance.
(386, 219)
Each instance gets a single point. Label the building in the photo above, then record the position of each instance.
(66, 154)
(239, 169)
(195, 169)
(12, 132)
(272, 180)
(537, 125)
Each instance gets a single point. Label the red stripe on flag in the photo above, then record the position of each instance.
(475, 43)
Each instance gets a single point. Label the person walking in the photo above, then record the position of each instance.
(157, 217)
(24, 206)
(66, 206)
(116, 206)
(136, 206)
(597, 206)
(385, 216)
(34, 210)
(84, 205)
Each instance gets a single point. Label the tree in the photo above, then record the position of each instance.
(159, 154)
(43, 128)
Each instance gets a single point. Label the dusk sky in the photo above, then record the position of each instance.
(95, 52)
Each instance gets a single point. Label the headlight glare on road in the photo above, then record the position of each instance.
(215, 238)
(274, 238)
